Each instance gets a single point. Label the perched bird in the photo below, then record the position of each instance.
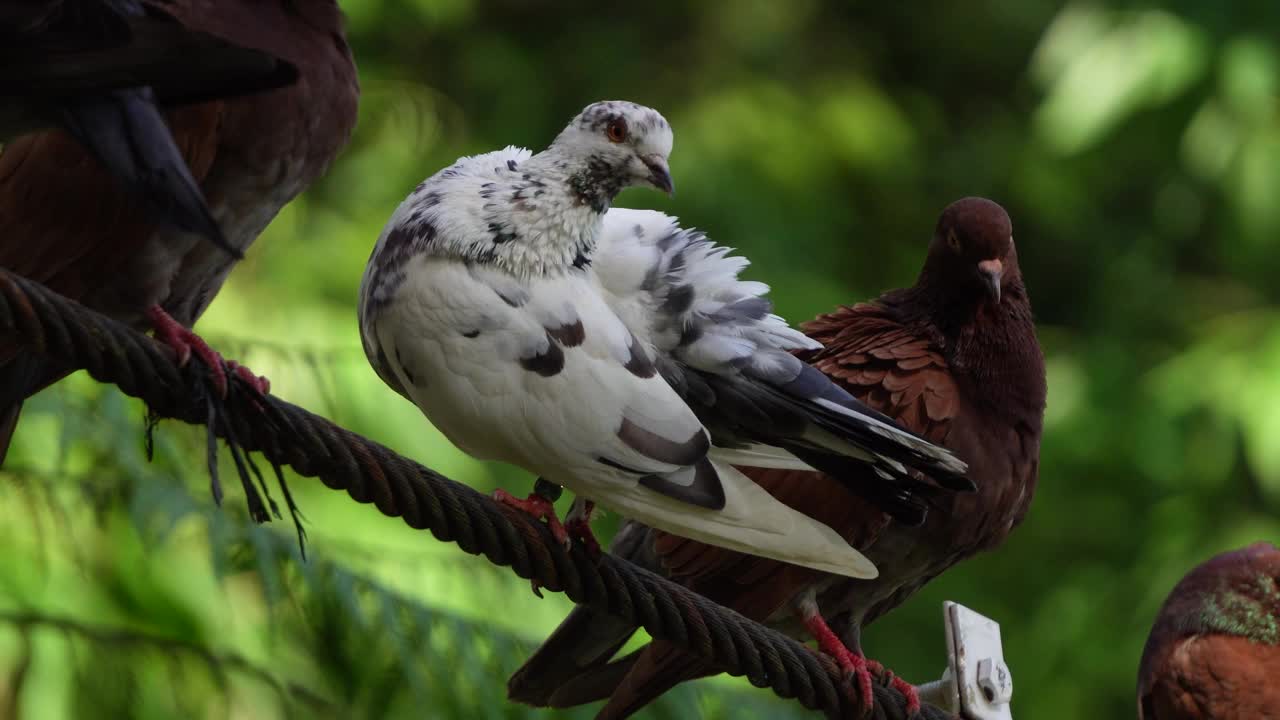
(953, 358)
(67, 223)
(99, 69)
(1214, 651)
(534, 325)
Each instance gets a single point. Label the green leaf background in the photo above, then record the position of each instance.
(1136, 146)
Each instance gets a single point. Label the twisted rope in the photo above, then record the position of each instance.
(76, 337)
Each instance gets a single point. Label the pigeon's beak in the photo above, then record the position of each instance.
(990, 272)
(659, 173)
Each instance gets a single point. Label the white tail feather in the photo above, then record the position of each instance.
(752, 521)
(760, 456)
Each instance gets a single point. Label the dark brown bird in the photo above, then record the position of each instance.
(953, 358)
(101, 68)
(65, 222)
(1214, 651)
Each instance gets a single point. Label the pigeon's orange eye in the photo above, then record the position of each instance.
(953, 240)
(616, 130)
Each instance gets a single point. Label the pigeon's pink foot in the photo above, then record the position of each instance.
(856, 666)
(579, 526)
(186, 343)
(540, 508)
(852, 664)
(259, 383)
(907, 689)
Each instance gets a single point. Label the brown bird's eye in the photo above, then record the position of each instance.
(953, 240)
(616, 130)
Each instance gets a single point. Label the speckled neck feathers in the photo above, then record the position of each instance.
(529, 215)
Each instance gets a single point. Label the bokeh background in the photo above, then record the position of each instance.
(1136, 146)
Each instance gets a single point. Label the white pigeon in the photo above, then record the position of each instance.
(534, 325)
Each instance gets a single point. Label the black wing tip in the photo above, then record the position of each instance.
(193, 216)
(704, 490)
(954, 481)
(909, 515)
(214, 234)
(941, 468)
(129, 136)
(811, 385)
(899, 495)
(181, 204)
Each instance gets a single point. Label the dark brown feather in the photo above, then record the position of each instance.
(43, 174)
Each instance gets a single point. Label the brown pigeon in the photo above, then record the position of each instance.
(954, 359)
(1214, 651)
(65, 222)
(101, 68)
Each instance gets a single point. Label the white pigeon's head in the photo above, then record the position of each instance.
(613, 145)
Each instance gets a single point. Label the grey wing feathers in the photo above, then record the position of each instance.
(724, 351)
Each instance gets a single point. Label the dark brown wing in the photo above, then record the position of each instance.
(67, 223)
(889, 366)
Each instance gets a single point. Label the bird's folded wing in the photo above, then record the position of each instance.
(761, 456)
(891, 367)
(729, 357)
(41, 174)
(555, 382)
(886, 364)
(751, 522)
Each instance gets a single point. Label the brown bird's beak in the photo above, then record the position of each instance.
(990, 271)
(659, 174)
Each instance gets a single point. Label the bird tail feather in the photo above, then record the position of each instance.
(752, 521)
(21, 375)
(562, 672)
(554, 678)
(651, 671)
(761, 456)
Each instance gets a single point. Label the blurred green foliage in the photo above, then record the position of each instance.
(1136, 145)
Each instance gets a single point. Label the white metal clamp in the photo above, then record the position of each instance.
(976, 683)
